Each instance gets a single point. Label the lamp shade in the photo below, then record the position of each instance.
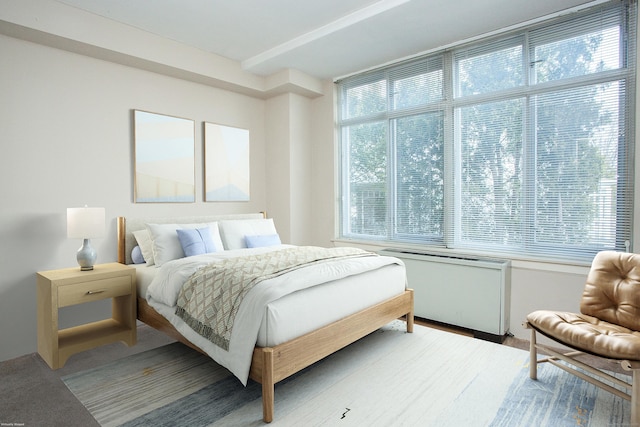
(85, 223)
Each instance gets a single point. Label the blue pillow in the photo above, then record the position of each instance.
(196, 241)
(136, 255)
(261, 241)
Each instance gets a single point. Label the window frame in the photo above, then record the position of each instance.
(452, 103)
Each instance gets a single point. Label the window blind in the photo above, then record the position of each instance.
(517, 144)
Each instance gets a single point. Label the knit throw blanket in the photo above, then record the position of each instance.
(209, 301)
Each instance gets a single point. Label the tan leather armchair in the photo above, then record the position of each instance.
(608, 326)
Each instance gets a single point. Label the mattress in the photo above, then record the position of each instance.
(292, 315)
(144, 276)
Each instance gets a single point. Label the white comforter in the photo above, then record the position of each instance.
(163, 293)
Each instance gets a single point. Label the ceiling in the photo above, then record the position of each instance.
(323, 38)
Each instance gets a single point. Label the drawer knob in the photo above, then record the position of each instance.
(99, 291)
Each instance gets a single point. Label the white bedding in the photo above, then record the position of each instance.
(144, 275)
(292, 316)
(276, 310)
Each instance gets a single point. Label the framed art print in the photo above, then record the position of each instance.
(226, 163)
(164, 158)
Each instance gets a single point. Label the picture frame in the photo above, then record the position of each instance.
(226, 163)
(164, 158)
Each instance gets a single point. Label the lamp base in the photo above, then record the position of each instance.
(86, 256)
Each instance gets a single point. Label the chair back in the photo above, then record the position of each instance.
(612, 291)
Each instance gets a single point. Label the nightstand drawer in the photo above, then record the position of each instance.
(93, 290)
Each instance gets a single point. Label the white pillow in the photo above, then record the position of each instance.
(166, 245)
(144, 241)
(233, 231)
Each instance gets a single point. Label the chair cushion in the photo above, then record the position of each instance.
(588, 334)
(612, 290)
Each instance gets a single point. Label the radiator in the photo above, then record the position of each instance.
(472, 293)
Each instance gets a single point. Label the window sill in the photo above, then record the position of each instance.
(521, 263)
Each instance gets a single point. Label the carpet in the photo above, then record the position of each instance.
(389, 378)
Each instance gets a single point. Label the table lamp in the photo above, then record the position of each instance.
(85, 223)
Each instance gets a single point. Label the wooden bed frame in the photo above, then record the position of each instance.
(272, 364)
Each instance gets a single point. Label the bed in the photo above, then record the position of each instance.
(296, 329)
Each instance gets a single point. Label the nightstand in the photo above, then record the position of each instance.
(62, 288)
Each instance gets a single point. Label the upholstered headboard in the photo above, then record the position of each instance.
(126, 227)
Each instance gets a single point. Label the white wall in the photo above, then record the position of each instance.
(323, 167)
(534, 288)
(289, 166)
(66, 137)
(278, 161)
(69, 83)
(300, 168)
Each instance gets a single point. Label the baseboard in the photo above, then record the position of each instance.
(462, 331)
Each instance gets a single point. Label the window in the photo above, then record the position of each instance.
(516, 145)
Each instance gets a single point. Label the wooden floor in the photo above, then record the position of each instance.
(598, 362)
(442, 327)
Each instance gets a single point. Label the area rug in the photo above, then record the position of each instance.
(389, 378)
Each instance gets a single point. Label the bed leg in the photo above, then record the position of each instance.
(410, 322)
(410, 316)
(267, 385)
